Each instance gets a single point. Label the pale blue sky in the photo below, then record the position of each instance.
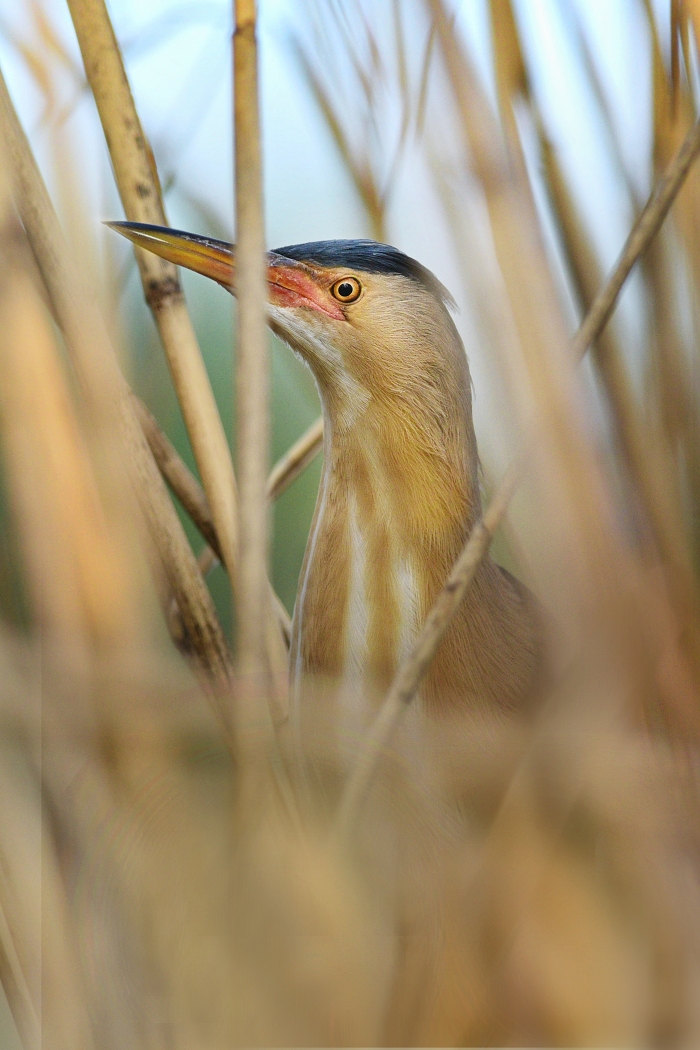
(182, 88)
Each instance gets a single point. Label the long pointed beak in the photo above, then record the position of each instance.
(212, 258)
(291, 283)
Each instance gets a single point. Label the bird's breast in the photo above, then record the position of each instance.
(358, 605)
(382, 601)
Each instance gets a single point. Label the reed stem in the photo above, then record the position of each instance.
(137, 181)
(252, 366)
(95, 362)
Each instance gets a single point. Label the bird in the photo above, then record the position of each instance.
(400, 484)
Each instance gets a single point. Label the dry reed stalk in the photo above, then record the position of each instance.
(73, 576)
(531, 292)
(667, 118)
(541, 366)
(512, 79)
(80, 803)
(358, 165)
(180, 479)
(641, 235)
(76, 578)
(95, 363)
(137, 182)
(672, 117)
(676, 18)
(671, 415)
(671, 368)
(672, 114)
(139, 189)
(77, 575)
(38, 958)
(194, 500)
(191, 494)
(12, 976)
(19, 943)
(51, 585)
(538, 873)
(252, 367)
(295, 461)
(693, 13)
(405, 685)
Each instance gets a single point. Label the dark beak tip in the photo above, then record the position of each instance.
(119, 226)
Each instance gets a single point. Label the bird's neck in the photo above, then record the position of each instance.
(398, 495)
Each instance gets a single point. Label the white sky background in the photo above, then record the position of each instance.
(181, 81)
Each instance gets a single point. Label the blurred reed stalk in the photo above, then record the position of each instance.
(84, 616)
(252, 368)
(179, 477)
(96, 366)
(77, 593)
(20, 936)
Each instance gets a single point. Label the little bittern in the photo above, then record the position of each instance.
(399, 491)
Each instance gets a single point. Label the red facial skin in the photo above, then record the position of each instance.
(294, 287)
(290, 283)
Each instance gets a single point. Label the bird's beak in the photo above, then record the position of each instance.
(212, 258)
(291, 283)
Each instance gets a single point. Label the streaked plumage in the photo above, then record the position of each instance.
(399, 491)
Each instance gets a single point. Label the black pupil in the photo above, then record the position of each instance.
(345, 289)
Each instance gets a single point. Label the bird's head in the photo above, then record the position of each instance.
(375, 329)
(372, 323)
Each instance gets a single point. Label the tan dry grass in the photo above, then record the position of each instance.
(523, 882)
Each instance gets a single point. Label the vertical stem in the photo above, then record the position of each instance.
(137, 181)
(252, 382)
(95, 362)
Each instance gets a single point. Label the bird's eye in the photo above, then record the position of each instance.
(346, 290)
